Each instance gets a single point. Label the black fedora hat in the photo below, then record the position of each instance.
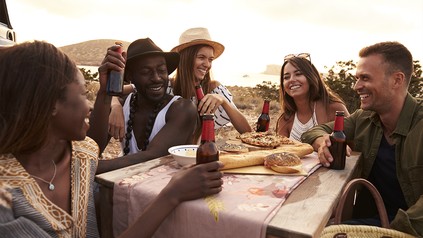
(145, 47)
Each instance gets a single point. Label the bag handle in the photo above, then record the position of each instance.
(351, 187)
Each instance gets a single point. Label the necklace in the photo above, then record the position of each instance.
(50, 184)
(149, 126)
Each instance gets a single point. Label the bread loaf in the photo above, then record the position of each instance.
(283, 162)
(251, 158)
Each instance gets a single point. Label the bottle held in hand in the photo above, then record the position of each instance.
(207, 151)
(115, 78)
(199, 93)
(264, 119)
(338, 141)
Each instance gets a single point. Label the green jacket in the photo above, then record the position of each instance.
(364, 133)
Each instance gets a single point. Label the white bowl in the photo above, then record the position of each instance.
(184, 154)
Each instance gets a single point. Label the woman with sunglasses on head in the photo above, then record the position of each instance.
(306, 101)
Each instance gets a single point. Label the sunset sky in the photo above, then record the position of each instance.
(254, 32)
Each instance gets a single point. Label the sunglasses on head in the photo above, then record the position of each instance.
(300, 55)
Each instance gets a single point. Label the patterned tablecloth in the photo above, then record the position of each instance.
(243, 209)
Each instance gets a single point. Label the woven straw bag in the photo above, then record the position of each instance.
(361, 231)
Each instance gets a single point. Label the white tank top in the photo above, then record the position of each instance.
(158, 124)
(299, 128)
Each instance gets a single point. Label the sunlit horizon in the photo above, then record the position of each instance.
(255, 33)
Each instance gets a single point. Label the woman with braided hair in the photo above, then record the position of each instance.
(48, 164)
(154, 120)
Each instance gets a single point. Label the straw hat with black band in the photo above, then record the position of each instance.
(198, 36)
(146, 47)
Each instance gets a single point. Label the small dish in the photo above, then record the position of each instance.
(184, 154)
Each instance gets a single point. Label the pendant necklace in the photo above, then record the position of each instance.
(50, 184)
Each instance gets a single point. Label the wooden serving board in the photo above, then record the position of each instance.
(259, 169)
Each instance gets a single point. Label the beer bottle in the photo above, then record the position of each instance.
(115, 78)
(207, 151)
(264, 119)
(338, 141)
(199, 92)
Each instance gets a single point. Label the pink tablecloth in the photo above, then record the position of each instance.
(243, 209)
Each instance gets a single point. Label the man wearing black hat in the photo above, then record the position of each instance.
(154, 120)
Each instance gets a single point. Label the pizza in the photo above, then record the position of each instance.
(233, 147)
(265, 139)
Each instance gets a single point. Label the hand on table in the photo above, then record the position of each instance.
(321, 145)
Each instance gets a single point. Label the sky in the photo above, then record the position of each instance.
(255, 33)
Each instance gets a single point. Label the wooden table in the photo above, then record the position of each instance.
(304, 214)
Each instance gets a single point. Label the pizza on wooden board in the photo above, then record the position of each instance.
(265, 139)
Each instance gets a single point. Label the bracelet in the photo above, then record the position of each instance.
(134, 89)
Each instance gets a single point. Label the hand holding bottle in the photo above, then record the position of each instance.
(113, 60)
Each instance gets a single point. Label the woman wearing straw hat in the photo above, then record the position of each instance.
(197, 52)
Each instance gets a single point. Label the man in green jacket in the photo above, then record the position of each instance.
(388, 131)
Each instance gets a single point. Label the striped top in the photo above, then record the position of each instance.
(299, 128)
(221, 118)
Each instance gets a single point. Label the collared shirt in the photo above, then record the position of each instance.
(364, 132)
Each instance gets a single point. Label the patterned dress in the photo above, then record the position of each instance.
(26, 212)
(221, 118)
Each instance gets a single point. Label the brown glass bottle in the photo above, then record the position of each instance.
(115, 78)
(264, 119)
(207, 151)
(338, 141)
(199, 92)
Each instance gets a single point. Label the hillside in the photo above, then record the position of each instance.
(273, 69)
(90, 53)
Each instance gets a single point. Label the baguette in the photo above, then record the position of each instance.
(300, 149)
(252, 158)
(232, 161)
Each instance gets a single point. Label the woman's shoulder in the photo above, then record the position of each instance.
(86, 148)
(213, 84)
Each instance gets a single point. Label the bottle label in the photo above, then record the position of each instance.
(115, 83)
(339, 123)
(207, 133)
(264, 119)
(338, 150)
(199, 92)
(266, 107)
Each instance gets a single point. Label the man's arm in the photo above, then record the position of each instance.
(410, 221)
(180, 125)
(99, 116)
